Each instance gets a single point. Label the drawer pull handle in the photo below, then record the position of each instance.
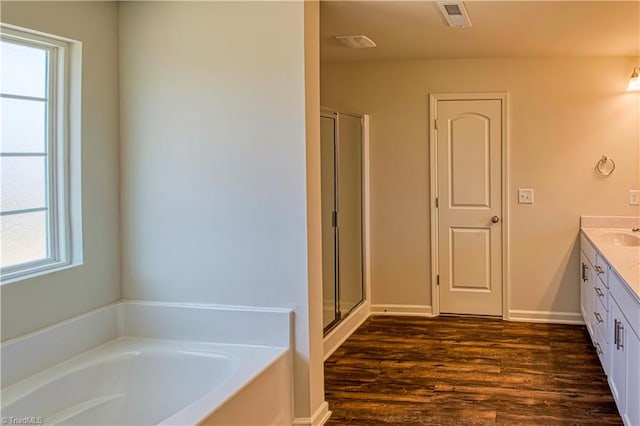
(618, 329)
(598, 317)
(599, 292)
(584, 271)
(598, 349)
(598, 269)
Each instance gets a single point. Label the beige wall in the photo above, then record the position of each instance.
(31, 304)
(564, 114)
(314, 219)
(214, 164)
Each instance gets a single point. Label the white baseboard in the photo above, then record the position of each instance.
(345, 329)
(403, 310)
(318, 418)
(551, 317)
(514, 314)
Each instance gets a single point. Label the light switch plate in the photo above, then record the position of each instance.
(634, 197)
(525, 196)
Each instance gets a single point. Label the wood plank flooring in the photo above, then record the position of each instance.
(467, 371)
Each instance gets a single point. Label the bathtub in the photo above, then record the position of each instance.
(146, 381)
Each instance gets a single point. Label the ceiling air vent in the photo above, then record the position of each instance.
(355, 41)
(455, 14)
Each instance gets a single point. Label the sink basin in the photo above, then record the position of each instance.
(620, 239)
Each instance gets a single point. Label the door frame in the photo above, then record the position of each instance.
(504, 223)
(336, 287)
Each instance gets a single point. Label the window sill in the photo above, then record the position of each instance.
(36, 271)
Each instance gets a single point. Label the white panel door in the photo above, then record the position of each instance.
(469, 163)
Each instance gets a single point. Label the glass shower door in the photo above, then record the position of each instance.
(342, 230)
(349, 195)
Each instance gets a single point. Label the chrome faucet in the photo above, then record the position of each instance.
(636, 229)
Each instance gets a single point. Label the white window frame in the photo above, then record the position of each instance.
(64, 217)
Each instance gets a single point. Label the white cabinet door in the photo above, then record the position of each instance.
(632, 348)
(586, 292)
(618, 371)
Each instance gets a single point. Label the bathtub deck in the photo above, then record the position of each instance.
(466, 371)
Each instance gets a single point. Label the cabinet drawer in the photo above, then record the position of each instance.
(601, 268)
(588, 249)
(601, 294)
(600, 321)
(626, 301)
(602, 349)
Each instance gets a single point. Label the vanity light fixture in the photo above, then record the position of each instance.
(634, 83)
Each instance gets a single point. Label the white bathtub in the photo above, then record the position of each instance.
(141, 381)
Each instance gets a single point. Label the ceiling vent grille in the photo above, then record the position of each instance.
(355, 41)
(455, 14)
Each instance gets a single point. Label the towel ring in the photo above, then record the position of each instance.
(605, 166)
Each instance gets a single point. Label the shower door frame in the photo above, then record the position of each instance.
(339, 316)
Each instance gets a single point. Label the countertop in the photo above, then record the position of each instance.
(625, 260)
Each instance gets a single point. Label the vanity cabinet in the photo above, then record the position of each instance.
(612, 316)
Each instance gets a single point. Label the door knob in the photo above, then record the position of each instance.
(495, 219)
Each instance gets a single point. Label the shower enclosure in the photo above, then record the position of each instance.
(342, 225)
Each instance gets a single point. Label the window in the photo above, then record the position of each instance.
(36, 158)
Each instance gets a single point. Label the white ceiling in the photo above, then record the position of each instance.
(416, 30)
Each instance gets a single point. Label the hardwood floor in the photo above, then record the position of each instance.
(467, 371)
